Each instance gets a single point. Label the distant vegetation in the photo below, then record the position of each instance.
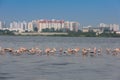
(52, 30)
(81, 34)
(109, 35)
(71, 33)
(6, 32)
(92, 34)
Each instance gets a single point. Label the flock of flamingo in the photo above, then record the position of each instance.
(52, 51)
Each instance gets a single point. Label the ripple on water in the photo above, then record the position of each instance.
(40, 61)
(5, 76)
(62, 64)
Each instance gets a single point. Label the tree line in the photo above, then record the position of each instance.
(71, 33)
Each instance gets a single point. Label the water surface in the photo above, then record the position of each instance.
(33, 67)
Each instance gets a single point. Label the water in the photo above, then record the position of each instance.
(33, 67)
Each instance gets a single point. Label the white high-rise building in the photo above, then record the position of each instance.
(103, 25)
(49, 24)
(111, 27)
(0, 25)
(3, 25)
(67, 25)
(72, 26)
(18, 26)
(75, 26)
(114, 27)
(14, 26)
(30, 26)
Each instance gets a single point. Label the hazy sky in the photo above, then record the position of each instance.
(84, 11)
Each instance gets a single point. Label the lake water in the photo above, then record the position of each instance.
(33, 67)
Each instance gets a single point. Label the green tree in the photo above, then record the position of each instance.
(35, 29)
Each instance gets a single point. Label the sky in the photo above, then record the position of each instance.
(86, 12)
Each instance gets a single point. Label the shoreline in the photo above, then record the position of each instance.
(62, 34)
(41, 34)
(59, 36)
